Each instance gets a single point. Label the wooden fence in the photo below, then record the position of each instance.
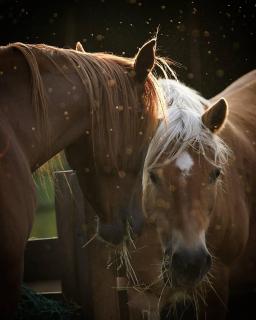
(62, 267)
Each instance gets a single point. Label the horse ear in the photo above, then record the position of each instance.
(79, 47)
(215, 117)
(144, 60)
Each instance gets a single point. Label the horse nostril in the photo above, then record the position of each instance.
(180, 262)
(191, 265)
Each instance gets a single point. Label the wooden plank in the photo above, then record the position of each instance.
(70, 216)
(83, 264)
(123, 305)
(121, 281)
(49, 286)
(104, 286)
(42, 260)
(65, 219)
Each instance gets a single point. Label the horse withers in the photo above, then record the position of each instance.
(198, 187)
(49, 98)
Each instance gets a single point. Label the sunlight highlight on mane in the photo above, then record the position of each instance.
(39, 100)
(182, 128)
(119, 122)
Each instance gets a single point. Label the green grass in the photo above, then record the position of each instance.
(44, 224)
(45, 220)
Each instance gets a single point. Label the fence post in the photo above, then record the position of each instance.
(70, 216)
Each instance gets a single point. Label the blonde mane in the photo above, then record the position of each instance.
(183, 128)
(119, 126)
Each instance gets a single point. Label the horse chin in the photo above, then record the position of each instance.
(112, 233)
(183, 283)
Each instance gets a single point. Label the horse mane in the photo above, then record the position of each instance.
(118, 122)
(183, 128)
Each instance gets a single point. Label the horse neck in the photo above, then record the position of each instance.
(43, 130)
(236, 203)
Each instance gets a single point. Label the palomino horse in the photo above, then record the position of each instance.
(50, 97)
(198, 185)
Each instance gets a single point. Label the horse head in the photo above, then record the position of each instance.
(109, 178)
(180, 185)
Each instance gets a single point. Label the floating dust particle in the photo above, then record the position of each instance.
(132, 73)
(128, 150)
(99, 37)
(120, 108)
(172, 188)
(195, 33)
(161, 203)
(121, 174)
(220, 73)
(111, 83)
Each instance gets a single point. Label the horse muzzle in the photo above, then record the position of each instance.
(115, 232)
(186, 268)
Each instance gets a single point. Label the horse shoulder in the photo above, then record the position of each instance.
(17, 206)
(17, 192)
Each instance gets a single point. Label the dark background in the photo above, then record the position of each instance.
(213, 40)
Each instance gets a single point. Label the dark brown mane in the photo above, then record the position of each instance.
(119, 126)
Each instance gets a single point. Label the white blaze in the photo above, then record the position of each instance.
(184, 162)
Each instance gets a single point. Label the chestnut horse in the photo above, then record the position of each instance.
(50, 97)
(198, 198)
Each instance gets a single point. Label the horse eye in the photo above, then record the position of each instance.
(153, 177)
(214, 175)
